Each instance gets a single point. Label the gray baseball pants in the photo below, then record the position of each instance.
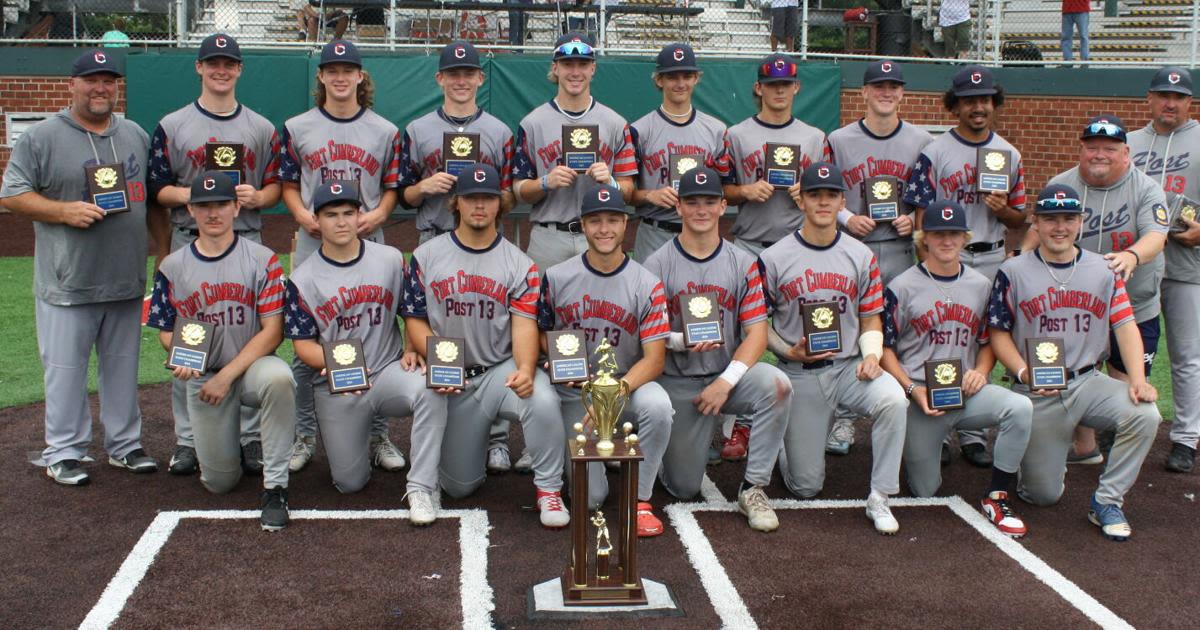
(764, 394)
(986, 263)
(649, 239)
(549, 246)
(1094, 400)
(1181, 310)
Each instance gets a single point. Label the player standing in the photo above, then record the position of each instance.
(714, 378)
(1162, 149)
(177, 156)
(539, 175)
(352, 289)
(1055, 290)
(89, 267)
(936, 311)
(605, 294)
(816, 264)
(237, 286)
(474, 284)
(339, 139)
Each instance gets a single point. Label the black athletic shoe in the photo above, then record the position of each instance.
(977, 455)
(68, 472)
(136, 461)
(252, 459)
(1181, 459)
(274, 509)
(183, 462)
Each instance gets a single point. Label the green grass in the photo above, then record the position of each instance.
(21, 368)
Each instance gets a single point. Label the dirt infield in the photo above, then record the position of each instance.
(824, 568)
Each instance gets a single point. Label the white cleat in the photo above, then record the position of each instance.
(881, 515)
(422, 507)
(302, 451)
(553, 514)
(386, 455)
(754, 504)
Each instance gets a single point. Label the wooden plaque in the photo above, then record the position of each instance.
(191, 344)
(822, 327)
(460, 150)
(445, 362)
(783, 164)
(581, 146)
(993, 167)
(882, 198)
(106, 187)
(345, 366)
(1046, 358)
(943, 384)
(1184, 209)
(567, 354)
(226, 157)
(701, 314)
(680, 163)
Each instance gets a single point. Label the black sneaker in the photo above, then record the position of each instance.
(977, 455)
(252, 458)
(184, 461)
(1181, 459)
(274, 509)
(136, 461)
(68, 472)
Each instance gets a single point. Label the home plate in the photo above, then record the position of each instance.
(546, 602)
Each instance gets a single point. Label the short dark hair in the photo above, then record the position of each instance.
(950, 99)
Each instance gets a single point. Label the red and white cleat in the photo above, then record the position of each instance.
(996, 508)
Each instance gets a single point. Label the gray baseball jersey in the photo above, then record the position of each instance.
(421, 157)
(656, 138)
(1115, 218)
(731, 273)
(626, 306)
(928, 317)
(862, 155)
(232, 291)
(745, 145)
(471, 293)
(946, 169)
(1167, 159)
(845, 271)
(1034, 298)
(539, 149)
(317, 147)
(177, 152)
(359, 299)
(107, 261)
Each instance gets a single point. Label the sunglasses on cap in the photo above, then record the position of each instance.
(774, 70)
(1066, 203)
(1106, 128)
(575, 48)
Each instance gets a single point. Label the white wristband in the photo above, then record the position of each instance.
(871, 342)
(675, 342)
(1019, 373)
(734, 372)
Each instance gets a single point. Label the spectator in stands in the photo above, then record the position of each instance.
(1075, 14)
(785, 19)
(954, 18)
(308, 21)
(516, 25)
(116, 37)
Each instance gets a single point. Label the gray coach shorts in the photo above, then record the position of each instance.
(784, 22)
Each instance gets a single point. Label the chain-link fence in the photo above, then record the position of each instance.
(1026, 32)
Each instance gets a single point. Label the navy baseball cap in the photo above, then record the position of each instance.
(480, 179)
(677, 57)
(574, 45)
(883, 70)
(701, 182)
(1057, 199)
(219, 45)
(822, 175)
(944, 216)
(602, 198)
(1104, 126)
(340, 51)
(1172, 79)
(974, 81)
(777, 68)
(335, 191)
(459, 54)
(212, 186)
(94, 62)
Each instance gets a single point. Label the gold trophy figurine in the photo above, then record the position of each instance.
(604, 397)
(603, 545)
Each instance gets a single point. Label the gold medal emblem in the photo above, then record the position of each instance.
(446, 351)
(994, 161)
(1047, 352)
(106, 177)
(581, 138)
(700, 307)
(822, 317)
(344, 354)
(1188, 212)
(685, 164)
(460, 146)
(192, 334)
(567, 345)
(784, 155)
(881, 189)
(945, 373)
(224, 156)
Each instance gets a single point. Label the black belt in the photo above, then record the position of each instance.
(764, 244)
(574, 227)
(980, 248)
(1071, 374)
(676, 228)
(437, 231)
(195, 232)
(476, 370)
(815, 365)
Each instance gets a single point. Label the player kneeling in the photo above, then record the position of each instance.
(713, 378)
(937, 311)
(474, 284)
(352, 290)
(818, 264)
(237, 286)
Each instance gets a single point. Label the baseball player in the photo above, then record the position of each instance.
(936, 311)
(474, 284)
(237, 286)
(675, 128)
(1059, 290)
(341, 138)
(767, 214)
(713, 378)
(89, 266)
(352, 290)
(946, 169)
(1162, 149)
(541, 178)
(816, 264)
(177, 157)
(605, 294)
(877, 145)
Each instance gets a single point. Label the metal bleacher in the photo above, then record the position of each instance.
(1142, 31)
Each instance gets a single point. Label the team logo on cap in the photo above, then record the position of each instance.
(1062, 194)
(460, 52)
(823, 172)
(210, 183)
(701, 178)
(976, 77)
(947, 213)
(100, 57)
(335, 189)
(779, 64)
(886, 67)
(339, 49)
(1173, 78)
(220, 42)
(480, 175)
(678, 54)
(603, 195)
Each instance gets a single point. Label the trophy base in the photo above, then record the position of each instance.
(607, 591)
(545, 602)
